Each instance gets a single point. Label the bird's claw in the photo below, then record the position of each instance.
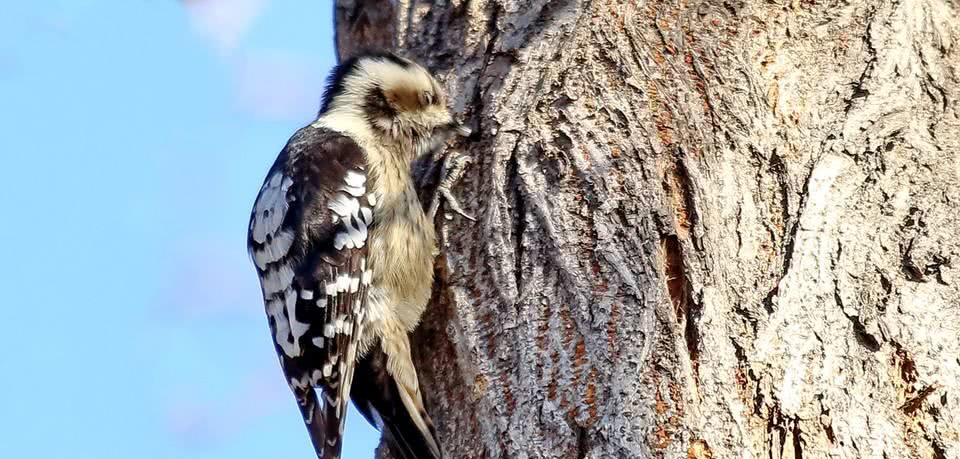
(454, 167)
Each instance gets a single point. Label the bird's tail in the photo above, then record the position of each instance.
(394, 408)
(315, 417)
(323, 423)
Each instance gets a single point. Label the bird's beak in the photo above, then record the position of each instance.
(459, 129)
(462, 130)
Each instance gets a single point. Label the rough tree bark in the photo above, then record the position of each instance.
(706, 228)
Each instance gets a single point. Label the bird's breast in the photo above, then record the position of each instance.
(403, 242)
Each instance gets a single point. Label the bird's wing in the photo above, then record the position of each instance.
(308, 238)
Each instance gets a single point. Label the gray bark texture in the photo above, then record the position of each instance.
(707, 229)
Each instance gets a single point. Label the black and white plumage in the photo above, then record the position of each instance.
(344, 251)
(308, 239)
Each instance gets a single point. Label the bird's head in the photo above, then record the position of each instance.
(398, 99)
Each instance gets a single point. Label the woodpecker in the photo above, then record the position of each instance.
(344, 250)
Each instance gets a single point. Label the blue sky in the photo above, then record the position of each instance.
(133, 138)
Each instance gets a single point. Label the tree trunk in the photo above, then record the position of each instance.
(713, 229)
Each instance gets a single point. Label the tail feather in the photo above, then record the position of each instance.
(323, 421)
(397, 412)
(316, 418)
(333, 434)
(398, 442)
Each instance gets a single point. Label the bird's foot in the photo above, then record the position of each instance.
(454, 166)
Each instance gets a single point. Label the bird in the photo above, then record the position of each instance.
(344, 248)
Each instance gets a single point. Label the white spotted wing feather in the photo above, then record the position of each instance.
(308, 239)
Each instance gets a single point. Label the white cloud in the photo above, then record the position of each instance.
(224, 22)
(268, 85)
